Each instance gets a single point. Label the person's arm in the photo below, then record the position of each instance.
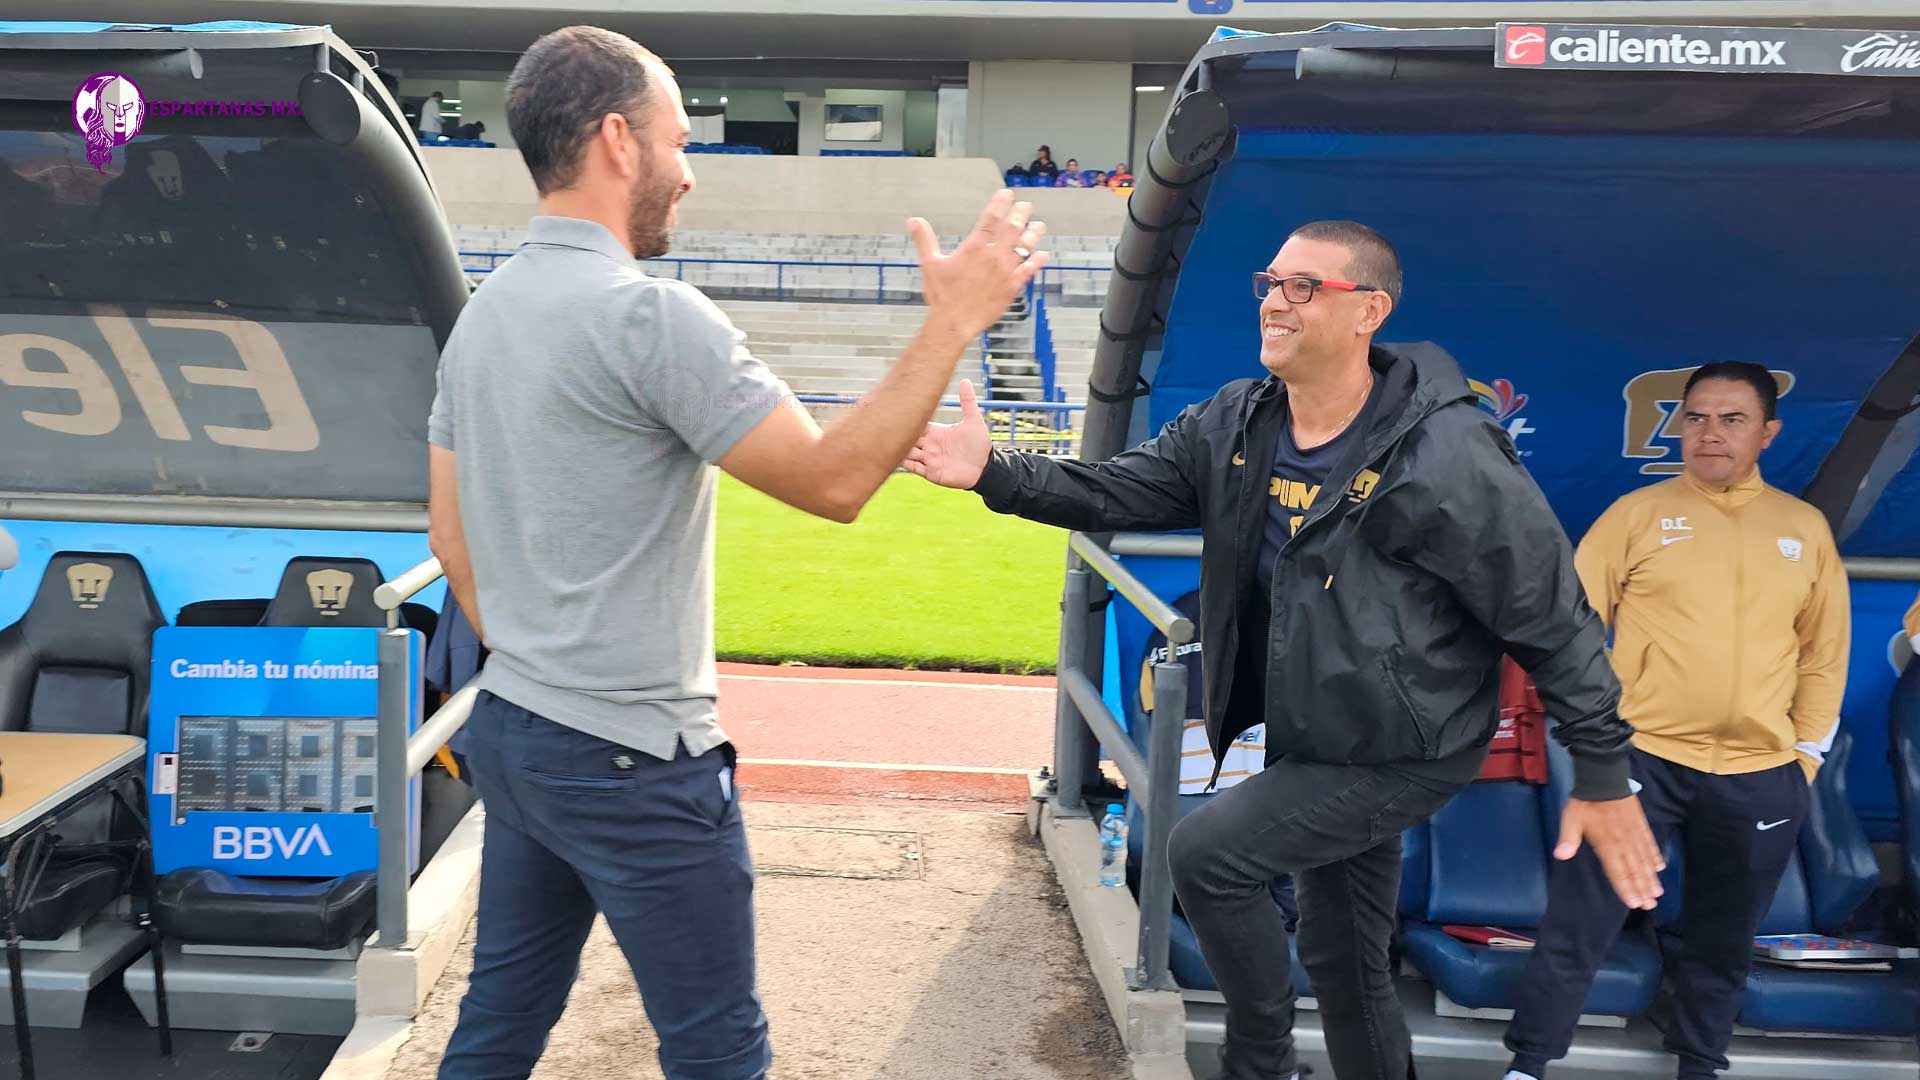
(1602, 563)
(1154, 486)
(1477, 521)
(1824, 629)
(832, 475)
(447, 537)
(1913, 625)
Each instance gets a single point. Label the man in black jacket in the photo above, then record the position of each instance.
(1372, 547)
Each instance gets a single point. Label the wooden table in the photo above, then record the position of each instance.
(42, 775)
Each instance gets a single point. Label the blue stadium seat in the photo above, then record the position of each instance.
(1904, 731)
(1483, 860)
(1831, 874)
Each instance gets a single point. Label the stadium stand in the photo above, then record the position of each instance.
(808, 321)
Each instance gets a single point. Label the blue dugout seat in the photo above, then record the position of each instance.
(1483, 861)
(1831, 875)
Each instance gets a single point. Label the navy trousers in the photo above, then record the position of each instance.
(578, 826)
(1738, 833)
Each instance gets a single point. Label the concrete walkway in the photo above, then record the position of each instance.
(904, 933)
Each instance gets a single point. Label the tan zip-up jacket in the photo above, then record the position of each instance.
(1730, 617)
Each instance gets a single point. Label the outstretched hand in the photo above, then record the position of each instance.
(952, 455)
(1618, 833)
(971, 288)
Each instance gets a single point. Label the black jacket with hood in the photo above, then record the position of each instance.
(1388, 623)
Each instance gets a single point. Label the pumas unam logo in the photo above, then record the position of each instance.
(329, 590)
(109, 111)
(1504, 405)
(89, 582)
(1652, 428)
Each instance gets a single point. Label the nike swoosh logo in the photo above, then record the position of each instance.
(1666, 540)
(1763, 826)
(1239, 459)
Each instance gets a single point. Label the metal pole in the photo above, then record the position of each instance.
(1163, 786)
(1071, 738)
(880, 293)
(780, 281)
(390, 808)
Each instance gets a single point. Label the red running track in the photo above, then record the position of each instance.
(812, 734)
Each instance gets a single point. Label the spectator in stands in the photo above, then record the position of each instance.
(1728, 774)
(1393, 548)
(1071, 177)
(1120, 177)
(1042, 172)
(471, 132)
(582, 408)
(430, 123)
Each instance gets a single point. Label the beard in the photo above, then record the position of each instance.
(650, 218)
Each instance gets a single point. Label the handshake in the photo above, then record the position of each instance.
(968, 291)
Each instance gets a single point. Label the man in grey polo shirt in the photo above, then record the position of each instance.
(583, 406)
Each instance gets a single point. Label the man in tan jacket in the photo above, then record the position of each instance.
(1728, 606)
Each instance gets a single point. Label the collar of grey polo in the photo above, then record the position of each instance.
(576, 233)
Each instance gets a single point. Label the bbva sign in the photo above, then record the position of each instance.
(256, 842)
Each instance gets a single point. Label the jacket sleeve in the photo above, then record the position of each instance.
(1155, 485)
(1823, 628)
(1473, 517)
(1602, 561)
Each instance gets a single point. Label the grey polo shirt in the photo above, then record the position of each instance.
(586, 403)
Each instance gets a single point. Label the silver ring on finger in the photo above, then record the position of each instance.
(1023, 253)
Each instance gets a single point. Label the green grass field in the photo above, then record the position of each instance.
(927, 578)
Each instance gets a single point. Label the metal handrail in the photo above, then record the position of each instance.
(1084, 724)
(681, 264)
(1177, 627)
(447, 720)
(390, 595)
(402, 754)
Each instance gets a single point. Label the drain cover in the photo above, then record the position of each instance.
(860, 854)
(250, 1042)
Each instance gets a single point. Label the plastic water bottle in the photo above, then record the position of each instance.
(1113, 847)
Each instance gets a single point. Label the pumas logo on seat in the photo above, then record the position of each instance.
(89, 582)
(329, 590)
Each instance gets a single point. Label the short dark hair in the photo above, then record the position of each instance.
(1752, 374)
(1374, 261)
(561, 89)
(436, 93)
